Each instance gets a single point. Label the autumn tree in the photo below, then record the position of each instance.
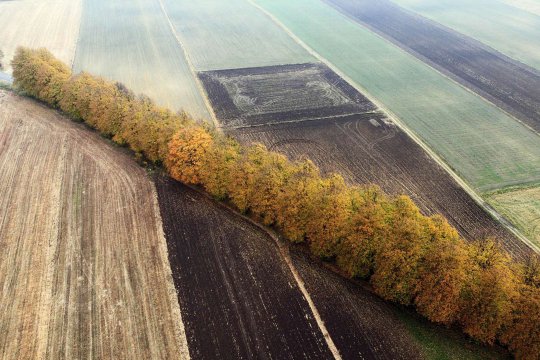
(356, 254)
(292, 210)
(241, 186)
(441, 273)
(217, 167)
(330, 209)
(187, 150)
(489, 291)
(522, 332)
(273, 173)
(39, 74)
(397, 263)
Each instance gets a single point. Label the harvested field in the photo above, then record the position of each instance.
(509, 26)
(131, 42)
(53, 24)
(231, 34)
(363, 146)
(257, 96)
(84, 271)
(507, 83)
(521, 206)
(490, 152)
(239, 299)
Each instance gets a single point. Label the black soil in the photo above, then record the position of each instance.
(237, 296)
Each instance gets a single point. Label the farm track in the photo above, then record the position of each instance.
(239, 299)
(84, 270)
(509, 84)
(384, 155)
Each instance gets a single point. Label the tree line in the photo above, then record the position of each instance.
(408, 258)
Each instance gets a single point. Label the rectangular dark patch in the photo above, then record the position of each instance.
(274, 94)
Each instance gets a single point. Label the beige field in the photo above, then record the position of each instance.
(532, 6)
(53, 24)
(84, 270)
(521, 207)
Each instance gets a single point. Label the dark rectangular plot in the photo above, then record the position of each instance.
(372, 150)
(238, 298)
(256, 96)
(511, 85)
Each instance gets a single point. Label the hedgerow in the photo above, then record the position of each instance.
(409, 258)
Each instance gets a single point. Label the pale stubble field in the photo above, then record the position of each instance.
(84, 270)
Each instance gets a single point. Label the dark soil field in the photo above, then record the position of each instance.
(238, 298)
(288, 93)
(365, 151)
(513, 86)
(361, 324)
(363, 146)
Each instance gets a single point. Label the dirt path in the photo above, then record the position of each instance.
(84, 270)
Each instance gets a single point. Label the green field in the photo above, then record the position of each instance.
(231, 34)
(486, 147)
(522, 207)
(506, 28)
(131, 41)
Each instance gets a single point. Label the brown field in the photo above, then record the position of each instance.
(84, 270)
(53, 24)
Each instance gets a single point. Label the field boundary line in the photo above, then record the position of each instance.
(190, 65)
(178, 323)
(475, 196)
(284, 251)
(240, 127)
(76, 45)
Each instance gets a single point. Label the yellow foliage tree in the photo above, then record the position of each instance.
(522, 333)
(217, 168)
(442, 274)
(292, 203)
(489, 292)
(330, 210)
(356, 255)
(187, 152)
(397, 263)
(39, 74)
